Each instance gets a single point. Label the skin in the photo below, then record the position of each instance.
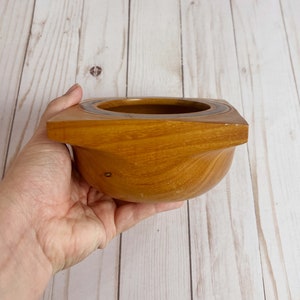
(50, 218)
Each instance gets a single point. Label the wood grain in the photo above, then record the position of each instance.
(272, 107)
(138, 158)
(155, 254)
(224, 246)
(15, 22)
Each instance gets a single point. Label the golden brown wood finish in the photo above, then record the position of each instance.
(151, 149)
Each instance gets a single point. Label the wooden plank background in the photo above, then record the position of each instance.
(241, 240)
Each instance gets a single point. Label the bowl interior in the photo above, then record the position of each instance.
(153, 106)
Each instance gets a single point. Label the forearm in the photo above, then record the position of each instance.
(24, 269)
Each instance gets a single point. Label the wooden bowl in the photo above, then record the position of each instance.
(151, 149)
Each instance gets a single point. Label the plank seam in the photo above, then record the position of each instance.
(119, 267)
(188, 204)
(126, 93)
(190, 250)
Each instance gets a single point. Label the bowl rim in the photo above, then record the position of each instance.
(201, 107)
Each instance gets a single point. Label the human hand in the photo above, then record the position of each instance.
(67, 218)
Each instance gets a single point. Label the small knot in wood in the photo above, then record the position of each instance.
(95, 71)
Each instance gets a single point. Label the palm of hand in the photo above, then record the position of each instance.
(71, 219)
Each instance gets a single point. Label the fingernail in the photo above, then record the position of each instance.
(72, 88)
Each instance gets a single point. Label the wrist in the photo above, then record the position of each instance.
(24, 269)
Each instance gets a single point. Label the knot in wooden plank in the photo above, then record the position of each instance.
(95, 71)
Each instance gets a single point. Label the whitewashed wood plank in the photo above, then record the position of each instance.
(50, 65)
(291, 11)
(80, 282)
(154, 67)
(15, 22)
(224, 243)
(155, 254)
(103, 44)
(154, 260)
(96, 277)
(272, 108)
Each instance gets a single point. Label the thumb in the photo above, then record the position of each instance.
(71, 97)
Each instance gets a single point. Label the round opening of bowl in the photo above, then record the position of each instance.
(153, 106)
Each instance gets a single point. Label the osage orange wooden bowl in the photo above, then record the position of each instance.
(151, 149)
